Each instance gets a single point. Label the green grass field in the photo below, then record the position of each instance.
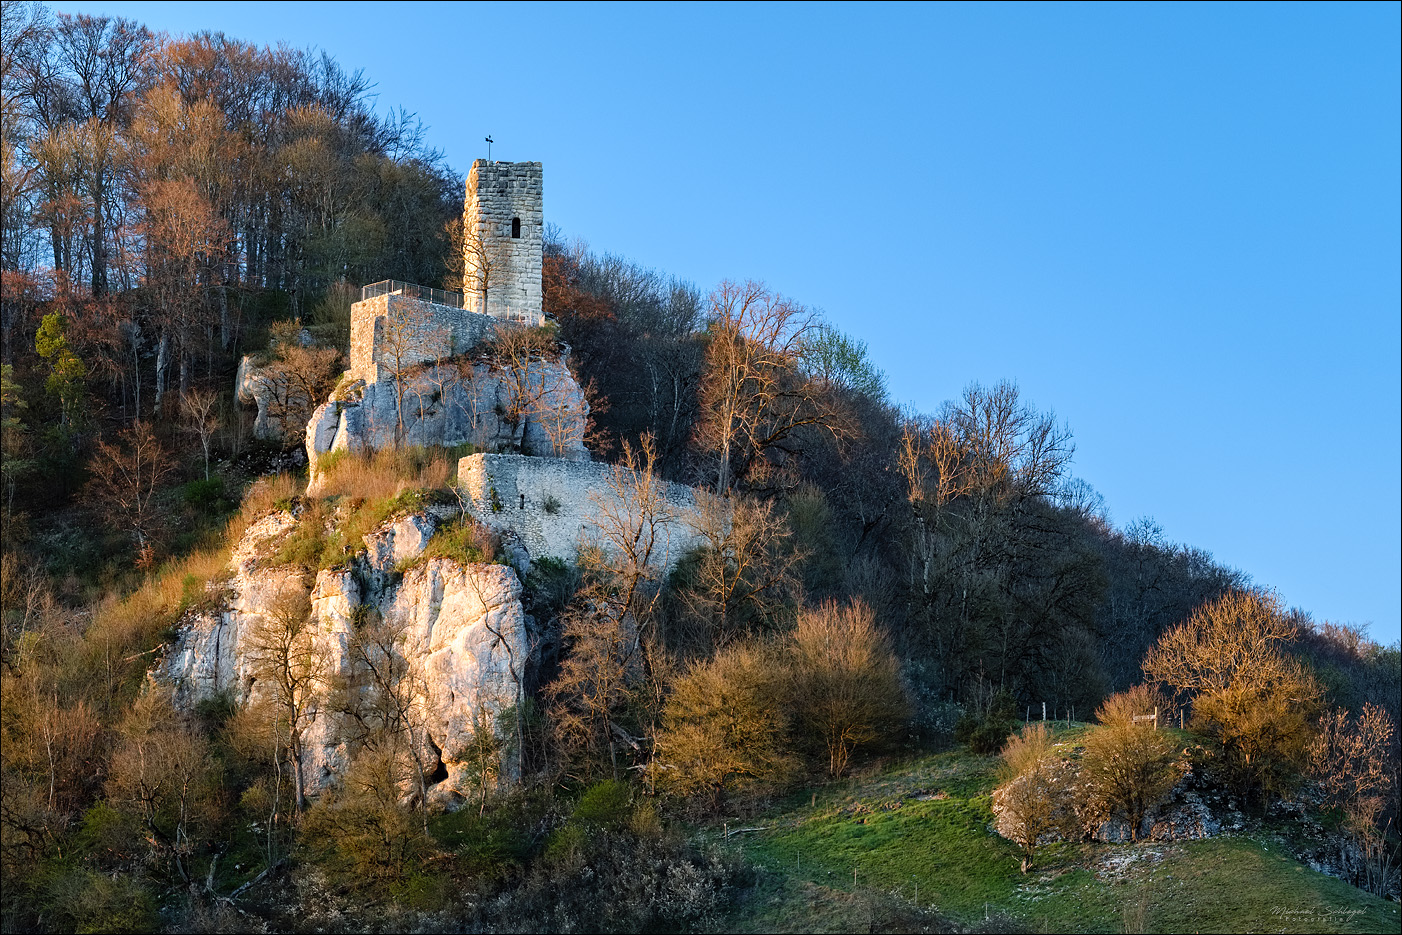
(857, 855)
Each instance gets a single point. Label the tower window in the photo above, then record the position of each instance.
(516, 228)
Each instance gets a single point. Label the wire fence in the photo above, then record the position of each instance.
(471, 303)
(415, 291)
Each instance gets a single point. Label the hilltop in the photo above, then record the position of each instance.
(377, 559)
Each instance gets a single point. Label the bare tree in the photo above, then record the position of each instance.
(1354, 759)
(408, 341)
(165, 774)
(843, 680)
(744, 575)
(609, 627)
(284, 654)
(598, 678)
(382, 695)
(754, 398)
(725, 725)
(126, 478)
(520, 356)
(483, 258)
(297, 378)
(1030, 800)
(1229, 657)
(201, 410)
(1129, 766)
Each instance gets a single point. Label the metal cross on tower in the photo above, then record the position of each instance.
(489, 149)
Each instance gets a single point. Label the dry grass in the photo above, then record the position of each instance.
(125, 631)
(386, 473)
(264, 494)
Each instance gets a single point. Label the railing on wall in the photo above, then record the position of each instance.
(414, 291)
(472, 303)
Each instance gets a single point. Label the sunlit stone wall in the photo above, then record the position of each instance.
(497, 194)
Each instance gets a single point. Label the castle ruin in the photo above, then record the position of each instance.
(397, 324)
(504, 238)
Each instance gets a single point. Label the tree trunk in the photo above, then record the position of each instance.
(295, 751)
(162, 361)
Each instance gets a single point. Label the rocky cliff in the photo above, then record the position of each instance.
(536, 409)
(454, 637)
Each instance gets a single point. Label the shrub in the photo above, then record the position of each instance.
(1025, 750)
(205, 494)
(985, 730)
(1121, 709)
(613, 881)
(1247, 693)
(466, 542)
(1128, 767)
(844, 682)
(724, 728)
(85, 901)
(1032, 801)
(363, 825)
(605, 804)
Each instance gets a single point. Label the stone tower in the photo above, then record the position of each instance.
(503, 238)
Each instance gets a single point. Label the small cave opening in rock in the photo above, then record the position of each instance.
(440, 772)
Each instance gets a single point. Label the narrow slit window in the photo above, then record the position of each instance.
(515, 228)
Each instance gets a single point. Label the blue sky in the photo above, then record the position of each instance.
(1177, 225)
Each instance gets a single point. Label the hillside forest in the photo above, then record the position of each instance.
(891, 584)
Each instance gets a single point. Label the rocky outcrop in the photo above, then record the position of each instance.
(1194, 808)
(538, 409)
(254, 386)
(458, 642)
(252, 391)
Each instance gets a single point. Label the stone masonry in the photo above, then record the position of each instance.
(551, 506)
(503, 244)
(390, 332)
(504, 237)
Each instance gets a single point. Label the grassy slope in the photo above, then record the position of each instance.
(925, 824)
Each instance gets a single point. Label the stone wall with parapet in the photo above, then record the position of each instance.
(551, 506)
(497, 193)
(387, 327)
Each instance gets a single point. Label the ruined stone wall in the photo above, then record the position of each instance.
(497, 193)
(551, 506)
(421, 332)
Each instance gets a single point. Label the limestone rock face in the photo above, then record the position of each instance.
(1191, 810)
(460, 638)
(251, 391)
(466, 631)
(539, 411)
